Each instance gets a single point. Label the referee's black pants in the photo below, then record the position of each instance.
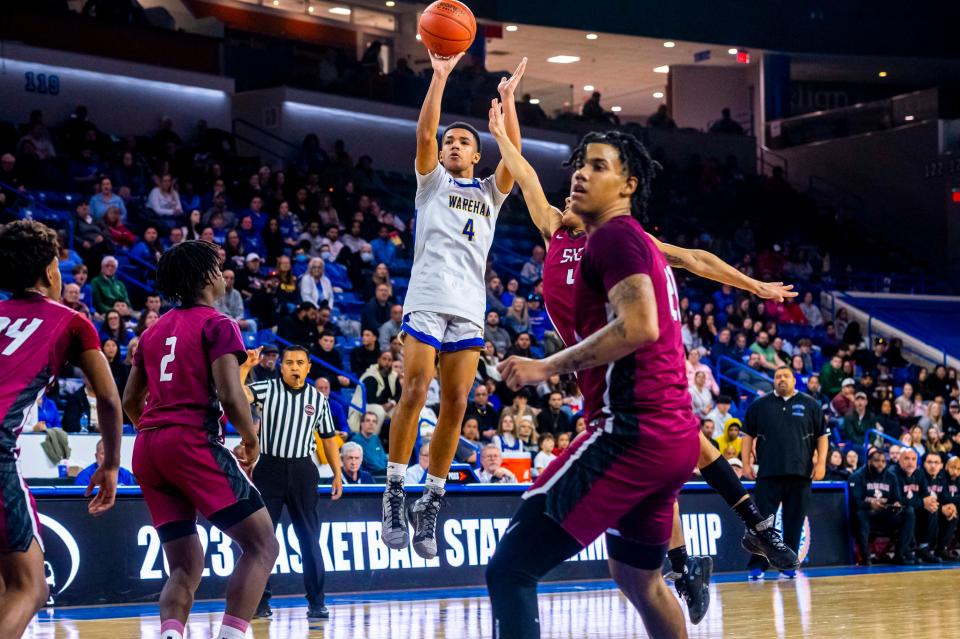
(293, 483)
(793, 492)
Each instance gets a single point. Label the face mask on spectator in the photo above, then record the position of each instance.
(325, 256)
(302, 258)
(366, 257)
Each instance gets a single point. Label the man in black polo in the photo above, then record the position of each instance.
(789, 430)
(285, 474)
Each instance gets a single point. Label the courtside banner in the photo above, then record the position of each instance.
(118, 558)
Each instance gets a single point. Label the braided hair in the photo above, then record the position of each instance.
(26, 249)
(634, 157)
(186, 269)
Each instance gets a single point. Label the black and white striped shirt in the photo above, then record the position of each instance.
(289, 418)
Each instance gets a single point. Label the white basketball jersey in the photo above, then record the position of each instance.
(455, 221)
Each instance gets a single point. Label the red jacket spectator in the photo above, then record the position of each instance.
(790, 312)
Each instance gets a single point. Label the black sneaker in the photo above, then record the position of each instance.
(263, 611)
(927, 556)
(693, 586)
(767, 542)
(424, 516)
(395, 532)
(318, 612)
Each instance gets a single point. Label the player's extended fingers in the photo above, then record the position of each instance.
(520, 69)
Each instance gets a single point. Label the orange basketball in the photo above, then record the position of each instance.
(447, 27)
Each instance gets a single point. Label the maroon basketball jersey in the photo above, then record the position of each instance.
(177, 354)
(559, 273)
(649, 386)
(37, 337)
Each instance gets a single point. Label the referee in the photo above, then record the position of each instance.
(789, 429)
(285, 473)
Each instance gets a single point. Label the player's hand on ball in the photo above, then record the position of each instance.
(518, 372)
(508, 86)
(775, 291)
(444, 66)
(497, 127)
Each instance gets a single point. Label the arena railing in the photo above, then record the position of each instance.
(362, 407)
(724, 363)
(37, 210)
(877, 434)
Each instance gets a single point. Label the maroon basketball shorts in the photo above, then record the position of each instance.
(182, 471)
(19, 522)
(621, 477)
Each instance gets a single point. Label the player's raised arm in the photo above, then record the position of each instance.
(226, 377)
(506, 89)
(545, 216)
(711, 267)
(635, 305)
(94, 365)
(428, 154)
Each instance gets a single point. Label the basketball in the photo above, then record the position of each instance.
(447, 27)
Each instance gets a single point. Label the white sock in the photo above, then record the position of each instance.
(396, 471)
(227, 632)
(435, 484)
(171, 634)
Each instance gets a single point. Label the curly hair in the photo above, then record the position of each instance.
(26, 249)
(185, 269)
(634, 157)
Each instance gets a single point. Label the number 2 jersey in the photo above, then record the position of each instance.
(37, 337)
(648, 386)
(455, 222)
(177, 355)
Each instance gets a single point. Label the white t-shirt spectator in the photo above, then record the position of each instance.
(489, 478)
(702, 400)
(542, 460)
(313, 291)
(161, 203)
(415, 475)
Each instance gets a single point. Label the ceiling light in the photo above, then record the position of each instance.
(732, 51)
(908, 118)
(669, 44)
(512, 27)
(616, 109)
(563, 59)
(340, 11)
(658, 94)
(276, 3)
(882, 74)
(592, 36)
(588, 87)
(390, 3)
(309, 9)
(664, 69)
(534, 100)
(419, 38)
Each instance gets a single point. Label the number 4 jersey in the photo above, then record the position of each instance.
(37, 337)
(177, 355)
(455, 222)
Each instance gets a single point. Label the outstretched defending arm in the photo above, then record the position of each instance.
(711, 267)
(545, 216)
(428, 154)
(508, 86)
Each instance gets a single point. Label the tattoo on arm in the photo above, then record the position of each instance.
(609, 343)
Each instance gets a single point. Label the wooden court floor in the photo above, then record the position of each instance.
(871, 605)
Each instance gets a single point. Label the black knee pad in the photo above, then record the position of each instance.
(635, 554)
